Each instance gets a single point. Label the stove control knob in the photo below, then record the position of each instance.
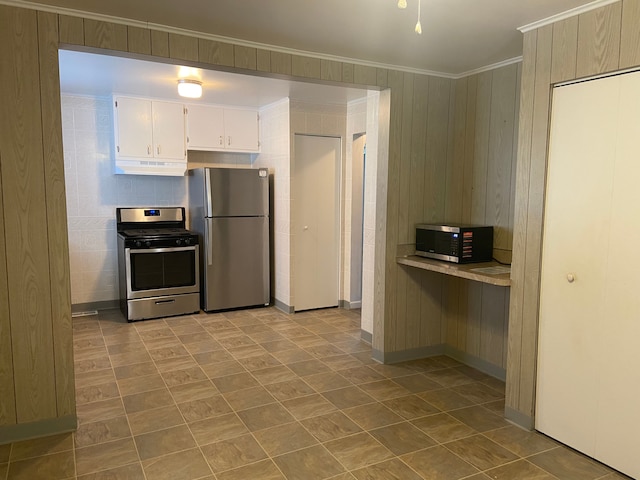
(138, 243)
(147, 243)
(178, 242)
(187, 241)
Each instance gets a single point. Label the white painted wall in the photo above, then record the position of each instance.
(275, 155)
(370, 183)
(93, 193)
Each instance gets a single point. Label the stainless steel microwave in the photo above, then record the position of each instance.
(455, 243)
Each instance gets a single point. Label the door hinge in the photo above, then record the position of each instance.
(116, 104)
(118, 148)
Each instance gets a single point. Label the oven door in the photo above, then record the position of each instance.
(154, 272)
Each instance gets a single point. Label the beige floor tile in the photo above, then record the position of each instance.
(96, 393)
(249, 398)
(92, 412)
(97, 377)
(331, 426)
(481, 452)
(278, 345)
(193, 391)
(402, 438)
(521, 469)
(496, 407)
(213, 357)
(478, 392)
(203, 408)
(443, 427)
(92, 365)
(186, 465)
(233, 453)
(128, 472)
(266, 416)
(222, 368)
(263, 470)
(445, 399)
(384, 390)
(5, 451)
(238, 381)
(130, 386)
(520, 441)
(168, 352)
(176, 363)
(394, 371)
(568, 465)
(292, 355)
(105, 456)
(147, 400)
(410, 407)
(182, 377)
(259, 362)
(348, 397)
(36, 447)
(289, 389)
(372, 415)
(163, 442)
(154, 419)
(56, 466)
(312, 463)
(102, 431)
(361, 374)
(136, 370)
(417, 382)
(438, 463)
(309, 406)
(358, 451)
(215, 429)
(267, 376)
(309, 367)
(323, 382)
(129, 358)
(479, 418)
(129, 347)
(284, 439)
(393, 469)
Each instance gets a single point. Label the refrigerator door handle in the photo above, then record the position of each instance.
(209, 242)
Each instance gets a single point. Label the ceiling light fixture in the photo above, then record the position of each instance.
(418, 28)
(189, 88)
(402, 3)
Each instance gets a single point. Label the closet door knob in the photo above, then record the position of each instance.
(571, 278)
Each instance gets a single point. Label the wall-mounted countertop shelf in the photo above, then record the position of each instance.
(470, 271)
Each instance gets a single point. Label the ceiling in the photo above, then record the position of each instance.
(459, 36)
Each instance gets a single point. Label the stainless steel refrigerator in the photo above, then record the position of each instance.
(229, 209)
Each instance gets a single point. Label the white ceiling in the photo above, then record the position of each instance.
(459, 35)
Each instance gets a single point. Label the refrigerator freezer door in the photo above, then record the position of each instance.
(236, 192)
(237, 262)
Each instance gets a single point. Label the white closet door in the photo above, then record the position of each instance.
(618, 426)
(588, 356)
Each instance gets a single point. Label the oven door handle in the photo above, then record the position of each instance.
(172, 300)
(161, 249)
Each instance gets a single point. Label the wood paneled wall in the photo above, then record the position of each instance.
(454, 143)
(600, 41)
(36, 373)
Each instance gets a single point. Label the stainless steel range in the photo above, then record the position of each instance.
(158, 263)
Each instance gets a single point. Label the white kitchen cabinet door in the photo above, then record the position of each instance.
(205, 127)
(241, 130)
(168, 131)
(588, 381)
(134, 129)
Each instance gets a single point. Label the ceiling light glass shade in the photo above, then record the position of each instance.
(418, 28)
(402, 3)
(189, 88)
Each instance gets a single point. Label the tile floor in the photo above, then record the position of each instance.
(258, 394)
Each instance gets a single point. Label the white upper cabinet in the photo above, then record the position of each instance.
(217, 128)
(150, 137)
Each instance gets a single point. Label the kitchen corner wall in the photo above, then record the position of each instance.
(93, 194)
(275, 155)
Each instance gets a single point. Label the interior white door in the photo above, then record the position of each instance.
(316, 203)
(589, 305)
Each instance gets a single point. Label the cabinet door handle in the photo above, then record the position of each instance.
(229, 140)
(148, 149)
(221, 140)
(158, 149)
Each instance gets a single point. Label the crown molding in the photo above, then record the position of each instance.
(487, 68)
(568, 14)
(218, 38)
